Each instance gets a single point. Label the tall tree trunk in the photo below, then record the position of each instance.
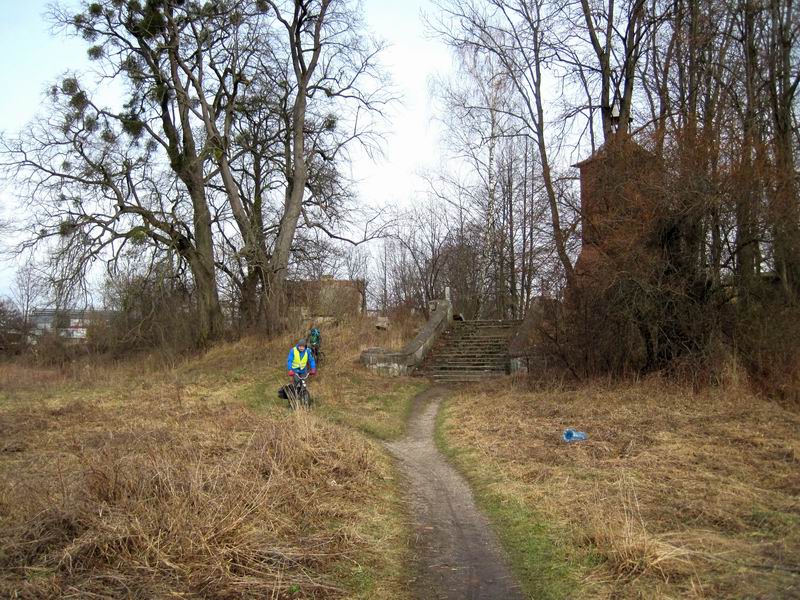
(782, 87)
(305, 57)
(201, 262)
(746, 197)
(279, 264)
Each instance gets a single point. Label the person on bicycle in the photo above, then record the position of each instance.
(315, 341)
(300, 361)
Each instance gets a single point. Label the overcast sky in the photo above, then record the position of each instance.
(34, 56)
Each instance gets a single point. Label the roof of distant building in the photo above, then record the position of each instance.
(72, 313)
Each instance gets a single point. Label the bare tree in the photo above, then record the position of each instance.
(515, 33)
(236, 119)
(616, 30)
(329, 59)
(782, 35)
(29, 290)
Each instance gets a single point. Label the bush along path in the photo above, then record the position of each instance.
(458, 556)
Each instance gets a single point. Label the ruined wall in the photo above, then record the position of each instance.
(621, 190)
(327, 297)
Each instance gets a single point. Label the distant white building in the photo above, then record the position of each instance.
(70, 324)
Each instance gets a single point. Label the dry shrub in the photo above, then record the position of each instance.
(19, 373)
(155, 309)
(52, 350)
(213, 504)
(675, 494)
(404, 324)
(638, 300)
(767, 332)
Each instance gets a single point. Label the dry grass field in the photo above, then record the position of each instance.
(675, 494)
(163, 478)
(154, 478)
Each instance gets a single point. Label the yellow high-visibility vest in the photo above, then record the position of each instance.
(299, 361)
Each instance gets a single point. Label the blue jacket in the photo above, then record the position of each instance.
(312, 364)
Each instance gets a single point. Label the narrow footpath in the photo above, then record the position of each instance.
(458, 555)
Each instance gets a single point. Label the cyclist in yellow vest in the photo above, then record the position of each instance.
(300, 360)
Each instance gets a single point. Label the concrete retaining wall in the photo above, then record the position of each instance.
(402, 362)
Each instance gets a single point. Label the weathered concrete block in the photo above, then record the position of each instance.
(519, 365)
(404, 361)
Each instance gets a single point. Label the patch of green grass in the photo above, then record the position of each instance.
(772, 521)
(378, 407)
(359, 581)
(381, 413)
(532, 544)
(238, 374)
(37, 573)
(260, 395)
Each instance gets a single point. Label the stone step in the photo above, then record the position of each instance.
(470, 360)
(480, 347)
(480, 338)
(457, 374)
(494, 364)
(477, 346)
(465, 377)
(479, 335)
(451, 351)
(455, 368)
(467, 352)
(476, 342)
(482, 330)
(475, 336)
(455, 350)
(470, 355)
(481, 351)
(492, 346)
(488, 323)
(466, 368)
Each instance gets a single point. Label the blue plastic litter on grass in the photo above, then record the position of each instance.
(570, 435)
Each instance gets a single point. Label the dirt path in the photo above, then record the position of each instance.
(458, 555)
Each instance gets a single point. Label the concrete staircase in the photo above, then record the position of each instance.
(470, 351)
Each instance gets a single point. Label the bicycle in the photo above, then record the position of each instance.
(298, 395)
(319, 355)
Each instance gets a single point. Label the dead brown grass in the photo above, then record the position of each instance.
(675, 494)
(152, 480)
(215, 503)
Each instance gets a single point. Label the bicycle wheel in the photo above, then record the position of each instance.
(305, 399)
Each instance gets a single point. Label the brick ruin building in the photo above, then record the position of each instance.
(327, 297)
(620, 188)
